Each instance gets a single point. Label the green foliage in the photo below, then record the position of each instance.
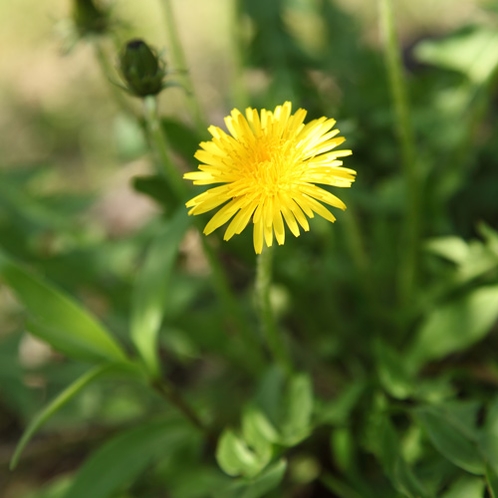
(152, 290)
(58, 320)
(130, 453)
(155, 377)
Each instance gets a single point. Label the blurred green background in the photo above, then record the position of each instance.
(68, 155)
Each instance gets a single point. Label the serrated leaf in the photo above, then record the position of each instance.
(450, 440)
(256, 487)
(235, 458)
(54, 406)
(455, 326)
(151, 289)
(119, 461)
(58, 320)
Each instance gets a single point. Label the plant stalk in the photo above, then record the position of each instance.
(162, 147)
(268, 324)
(180, 63)
(397, 83)
(171, 394)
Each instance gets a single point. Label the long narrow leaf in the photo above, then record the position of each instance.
(64, 397)
(57, 319)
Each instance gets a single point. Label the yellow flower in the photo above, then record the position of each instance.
(268, 168)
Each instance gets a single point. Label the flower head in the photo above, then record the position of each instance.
(268, 169)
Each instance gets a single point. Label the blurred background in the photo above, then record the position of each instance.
(68, 155)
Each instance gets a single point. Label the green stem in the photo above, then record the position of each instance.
(408, 267)
(180, 63)
(270, 331)
(240, 93)
(158, 138)
(171, 394)
(355, 242)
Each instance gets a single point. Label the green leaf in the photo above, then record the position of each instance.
(152, 288)
(254, 488)
(119, 461)
(57, 319)
(472, 51)
(385, 445)
(234, 456)
(343, 446)
(392, 371)
(298, 409)
(337, 411)
(490, 236)
(452, 248)
(338, 487)
(157, 188)
(259, 434)
(455, 326)
(466, 487)
(488, 439)
(62, 399)
(492, 482)
(450, 439)
(183, 139)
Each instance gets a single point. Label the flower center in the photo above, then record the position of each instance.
(269, 166)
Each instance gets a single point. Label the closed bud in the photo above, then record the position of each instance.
(142, 69)
(89, 18)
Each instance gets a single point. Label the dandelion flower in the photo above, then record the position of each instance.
(269, 167)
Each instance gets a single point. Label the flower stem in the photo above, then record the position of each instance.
(160, 143)
(268, 324)
(171, 394)
(240, 93)
(181, 65)
(408, 268)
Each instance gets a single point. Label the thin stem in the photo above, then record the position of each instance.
(408, 268)
(161, 145)
(181, 66)
(268, 324)
(355, 241)
(171, 394)
(240, 93)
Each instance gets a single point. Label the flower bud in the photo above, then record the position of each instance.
(89, 18)
(142, 69)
